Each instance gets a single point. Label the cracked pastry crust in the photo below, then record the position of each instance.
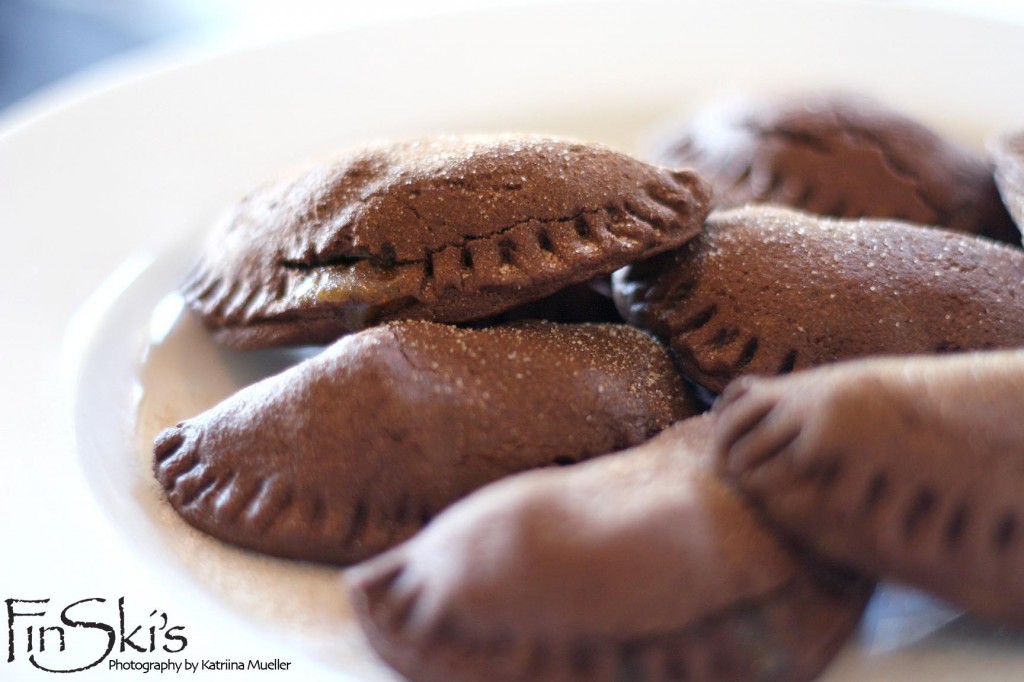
(769, 290)
(639, 565)
(357, 448)
(840, 155)
(448, 229)
(901, 468)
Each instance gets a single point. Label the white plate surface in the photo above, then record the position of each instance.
(145, 167)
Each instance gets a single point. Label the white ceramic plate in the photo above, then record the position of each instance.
(145, 167)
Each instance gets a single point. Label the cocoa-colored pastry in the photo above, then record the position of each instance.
(449, 229)
(840, 155)
(586, 302)
(1008, 153)
(767, 290)
(637, 566)
(355, 449)
(903, 468)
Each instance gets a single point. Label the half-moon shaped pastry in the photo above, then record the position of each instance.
(449, 229)
(355, 449)
(903, 468)
(766, 290)
(640, 565)
(840, 155)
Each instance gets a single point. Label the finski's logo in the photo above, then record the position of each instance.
(82, 634)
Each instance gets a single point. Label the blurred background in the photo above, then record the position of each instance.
(43, 41)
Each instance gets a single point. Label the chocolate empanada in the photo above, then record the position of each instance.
(640, 565)
(840, 155)
(355, 449)
(766, 290)
(449, 229)
(902, 468)
(1008, 153)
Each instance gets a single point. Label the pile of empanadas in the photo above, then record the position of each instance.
(521, 472)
